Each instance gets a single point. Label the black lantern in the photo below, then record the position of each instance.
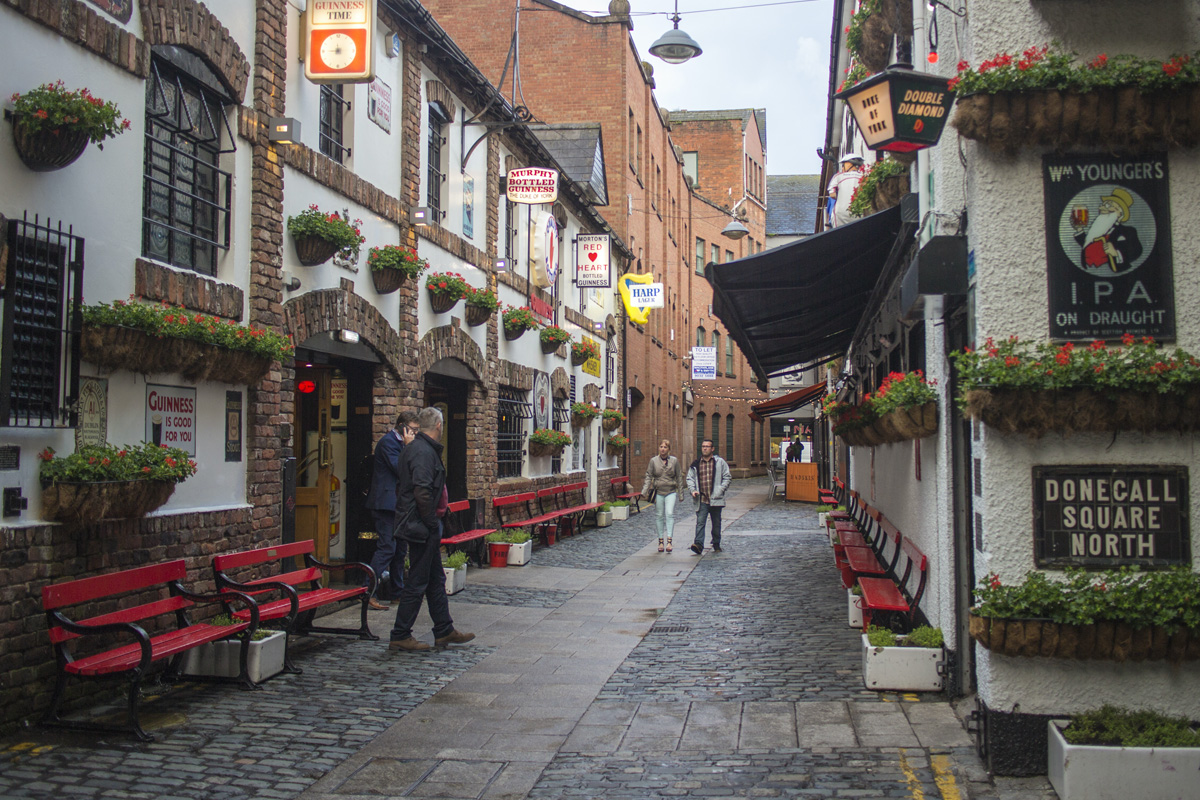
(900, 110)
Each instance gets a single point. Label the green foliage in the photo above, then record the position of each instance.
(824, 509)
(864, 193)
(51, 108)
(1118, 727)
(585, 410)
(107, 462)
(1135, 365)
(925, 636)
(161, 321)
(497, 537)
(856, 73)
(518, 536)
(898, 390)
(880, 637)
(854, 31)
(330, 227)
(1168, 598)
(585, 349)
(617, 441)
(617, 503)
(856, 590)
(394, 256)
(483, 298)
(550, 437)
(609, 506)
(456, 559)
(257, 636)
(519, 319)
(448, 283)
(553, 334)
(1047, 68)
(610, 414)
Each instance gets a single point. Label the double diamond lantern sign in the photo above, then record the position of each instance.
(900, 110)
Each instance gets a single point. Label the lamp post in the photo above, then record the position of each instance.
(675, 46)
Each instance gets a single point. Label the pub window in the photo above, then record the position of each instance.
(729, 438)
(186, 196)
(700, 251)
(436, 153)
(700, 435)
(332, 134)
(39, 364)
(513, 409)
(560, 420)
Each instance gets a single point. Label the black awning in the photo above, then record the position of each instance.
(785, 404)
(800, 303)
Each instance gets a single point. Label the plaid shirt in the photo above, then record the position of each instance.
(706, 472)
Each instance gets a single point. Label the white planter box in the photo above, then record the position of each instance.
(603, 519)
(456, 579)
(220, 659)
(1096, 772)
(620, 512)
(519, 554)
(902, 669)
(821, 518)
(854, 610)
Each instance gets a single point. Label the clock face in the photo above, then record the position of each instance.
(338, 51)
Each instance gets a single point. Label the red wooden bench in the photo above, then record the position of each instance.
(515, 511)
(301, 590)
(633, 497)
(472, 537)
(134, 659)
(551, 508)
(577, 513)
(901, 596)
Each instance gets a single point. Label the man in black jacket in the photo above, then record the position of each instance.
(422, 479)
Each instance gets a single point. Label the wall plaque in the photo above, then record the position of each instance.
(1111, 515)
(233, 426)
(93, 412)
(1108, 246)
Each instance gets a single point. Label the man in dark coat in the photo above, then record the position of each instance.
(422, 479)
(388, 561)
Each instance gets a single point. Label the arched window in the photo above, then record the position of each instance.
(716, 434)
(699, 432)
(729, 438)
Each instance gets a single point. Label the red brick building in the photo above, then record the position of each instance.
(577, 68)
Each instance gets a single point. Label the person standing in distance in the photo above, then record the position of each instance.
(418, 492)
(388, 561)
(665, 477)
(707, 480)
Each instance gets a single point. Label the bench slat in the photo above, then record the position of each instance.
(277, 609)
(880, 594)
(262, 555)
(85, 589)
(468, 536)
(134, 614)
(862, 561)
(162, 646)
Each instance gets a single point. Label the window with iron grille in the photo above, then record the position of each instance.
(729, 438)
(560, 419)
(513, 409)
(187, 197)
(610, 373)
(39, 365)
(333, 110)
(437, 172)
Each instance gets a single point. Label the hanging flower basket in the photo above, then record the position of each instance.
(915, 422)
(550, 348)
(445, 290)
(388, 280)
(46, 151)
(516, 320)
(538, 449)
(615, 444)
(441, 302)
(612, 420)
(1102, 641)
(583, 351)
(1038, 412)
(479, 315)
(312, 250)
(86, 503)
(119, 347)
(512, 334)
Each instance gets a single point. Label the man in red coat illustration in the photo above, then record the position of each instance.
(1107, 241)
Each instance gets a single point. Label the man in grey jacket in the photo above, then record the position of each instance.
(707, 480)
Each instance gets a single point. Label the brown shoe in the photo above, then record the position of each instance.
(410, 644)
(453, 637)
(375, 605)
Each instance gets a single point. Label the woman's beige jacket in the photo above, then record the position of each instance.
(666, 478)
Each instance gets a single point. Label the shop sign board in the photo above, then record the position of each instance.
(171, 416)
(542, 404)
(591, 260)
(532, 185)
(339, 46)
(592, 365)
(1110, 515)
(233, 426)
(704, 363)
(1109, 264)
(379, 104)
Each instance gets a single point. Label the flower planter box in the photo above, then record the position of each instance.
(388, 280)
(477, 315)
(902, 669)
(1036, 413)
(118, 347)
(821, 519)
(1094, 772)
(456, 579)
(604, 519)
(620, 512)
(86, 503)
(519, 554)
(313, 250)
(441, 302)
(44, 151)
(1104, 641)
(854, 610)
(221, 659)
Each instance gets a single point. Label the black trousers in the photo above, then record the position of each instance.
(426, 580)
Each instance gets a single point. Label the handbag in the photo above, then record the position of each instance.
(653, 493)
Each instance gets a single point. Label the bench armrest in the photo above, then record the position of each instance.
(236, 589)
(83, 629)
(356, 566)
(222, 598)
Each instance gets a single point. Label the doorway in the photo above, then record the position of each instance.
(447, 385)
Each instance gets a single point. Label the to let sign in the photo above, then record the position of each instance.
(532, 186)
(591, 261)
(704, 363)
(1108, 516)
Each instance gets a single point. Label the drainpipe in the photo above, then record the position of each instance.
(920, 53)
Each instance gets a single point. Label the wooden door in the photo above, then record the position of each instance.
(314, 457)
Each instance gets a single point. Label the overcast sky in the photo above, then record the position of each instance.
(771, 56)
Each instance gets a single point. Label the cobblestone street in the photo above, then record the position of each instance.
(601, 670)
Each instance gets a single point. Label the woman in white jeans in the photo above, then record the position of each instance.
(665, 477)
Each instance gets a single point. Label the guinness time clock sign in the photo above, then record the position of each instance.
(340, 42)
